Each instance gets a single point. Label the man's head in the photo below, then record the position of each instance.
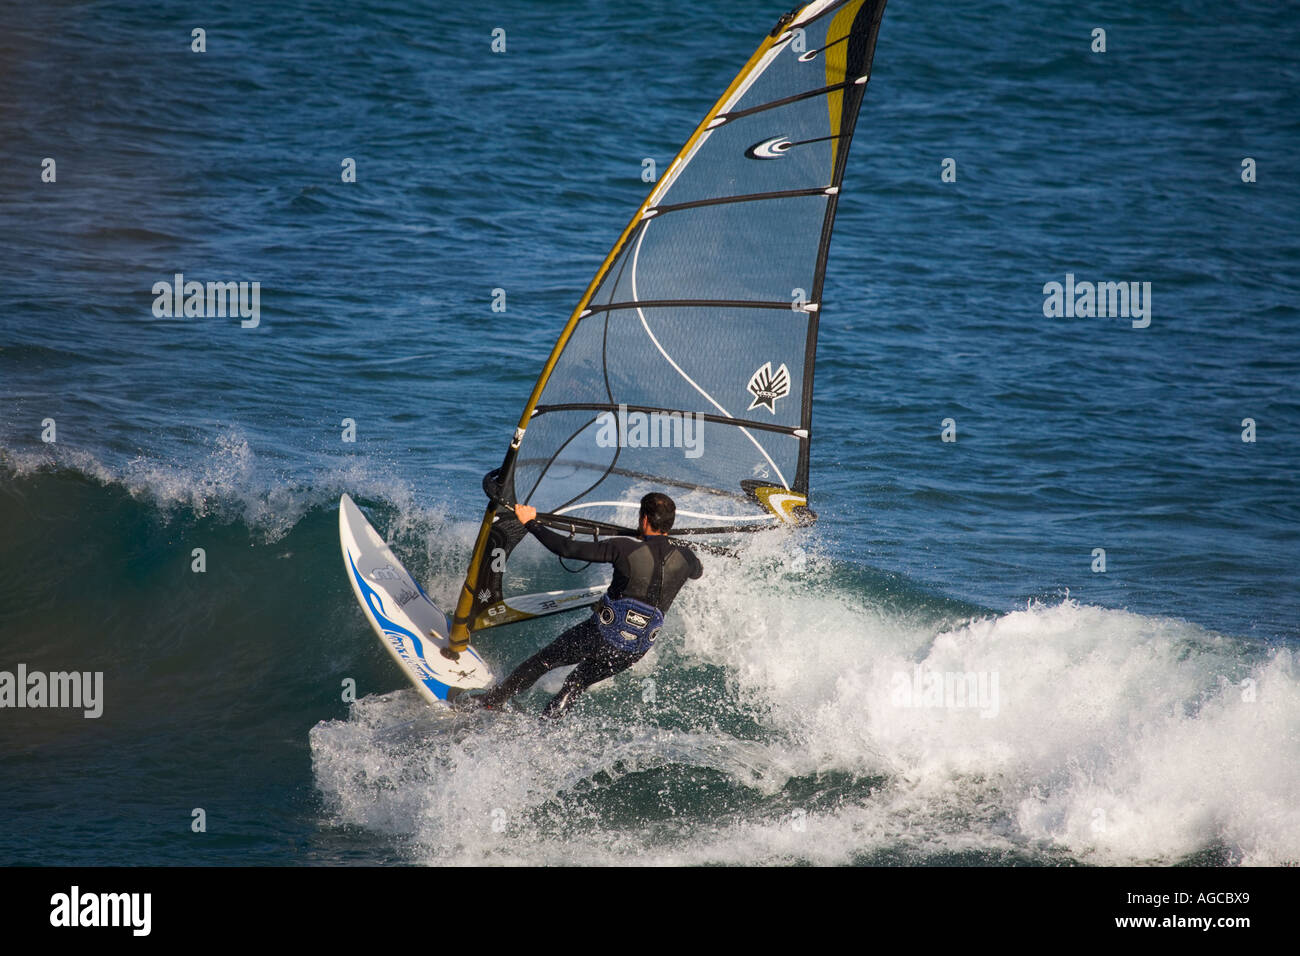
(658, 513)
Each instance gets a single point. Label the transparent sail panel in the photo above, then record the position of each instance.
(784, 148)
(688, 358)
(753, 251)
(598, 464)
(830, 50)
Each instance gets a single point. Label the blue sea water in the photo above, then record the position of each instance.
(1146, 713)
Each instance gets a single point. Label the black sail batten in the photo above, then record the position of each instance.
(691, 303)
(708, 306)
(748, 197)
(655, 409)
(784, 101)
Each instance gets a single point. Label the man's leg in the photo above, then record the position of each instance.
(603, 664)
(571, 647)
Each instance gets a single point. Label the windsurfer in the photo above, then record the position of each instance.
(649, 570)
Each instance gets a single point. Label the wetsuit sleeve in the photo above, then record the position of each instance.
(697, 569)
(603, 552)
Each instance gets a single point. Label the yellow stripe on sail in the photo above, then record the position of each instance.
(837, 68)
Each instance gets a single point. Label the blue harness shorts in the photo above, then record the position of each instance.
(629, 625)
(586, 644)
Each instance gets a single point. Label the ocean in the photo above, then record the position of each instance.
(1048, 615)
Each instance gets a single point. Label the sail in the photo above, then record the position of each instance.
(687, 366)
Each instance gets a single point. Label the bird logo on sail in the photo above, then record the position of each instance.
(767, 386)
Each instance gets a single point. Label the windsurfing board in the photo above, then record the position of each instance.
(410, 626)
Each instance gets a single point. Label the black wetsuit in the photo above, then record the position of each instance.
(637, 563)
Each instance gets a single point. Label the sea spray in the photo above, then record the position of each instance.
(801, 754)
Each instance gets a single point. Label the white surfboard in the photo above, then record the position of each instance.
(409, 624)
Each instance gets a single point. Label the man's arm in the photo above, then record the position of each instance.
(697, 569)
(602, 552)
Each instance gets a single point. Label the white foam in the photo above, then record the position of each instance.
(228, 480)
(1116, 738)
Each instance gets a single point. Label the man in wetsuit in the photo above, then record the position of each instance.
(648, 573)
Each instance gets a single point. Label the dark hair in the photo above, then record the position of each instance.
(660, 511)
